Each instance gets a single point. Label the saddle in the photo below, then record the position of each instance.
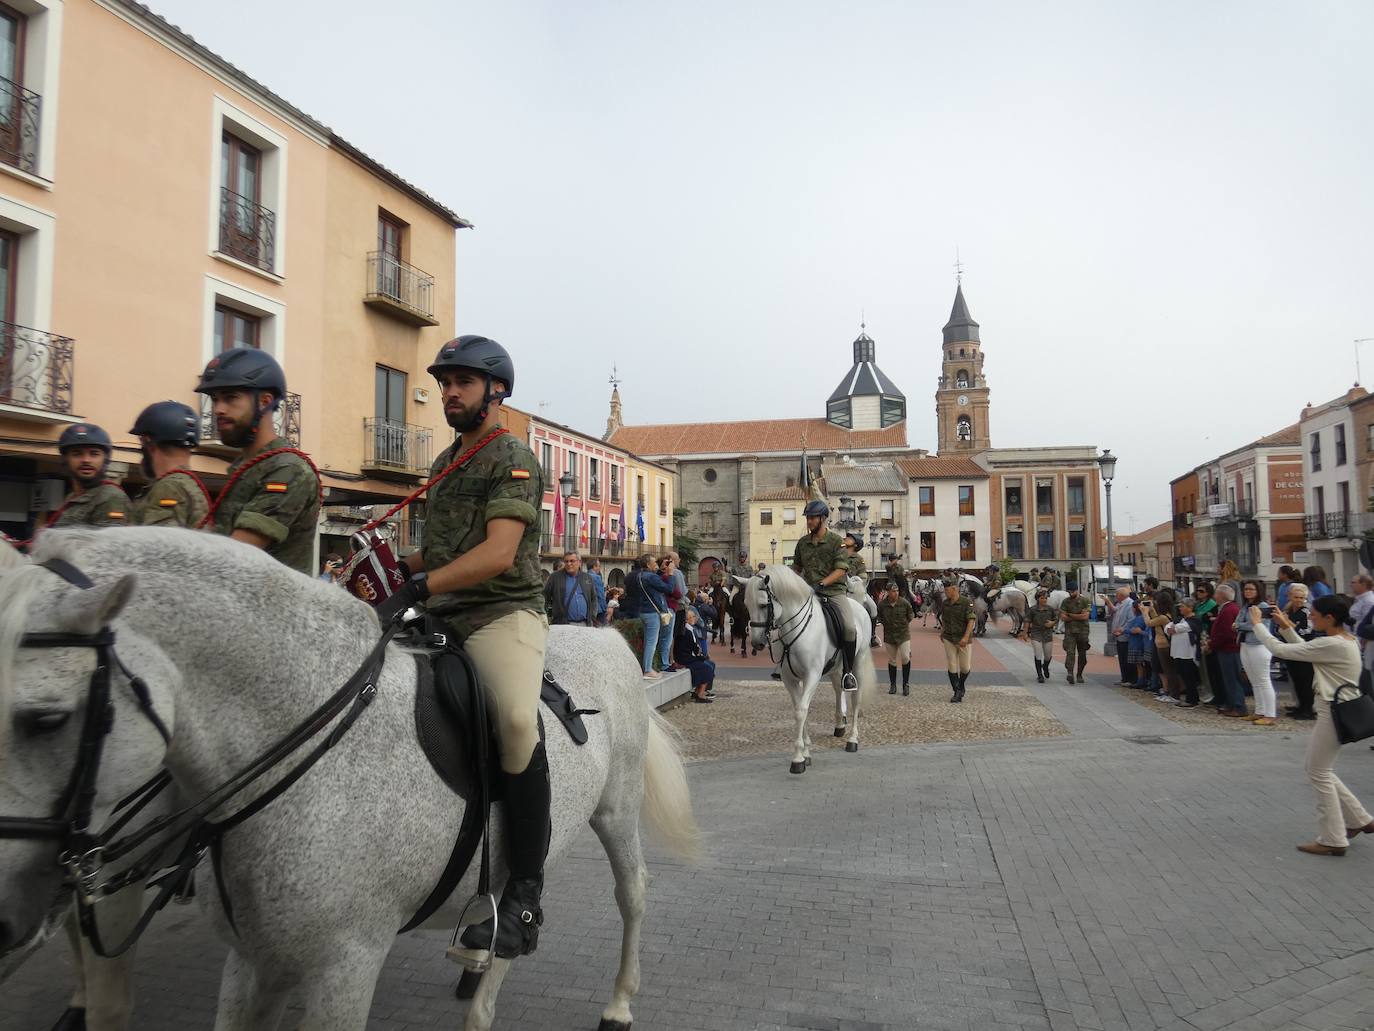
(461, 746)
(834, 626)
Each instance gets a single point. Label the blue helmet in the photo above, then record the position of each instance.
(816, 507)
(84, 434)
(168, 422)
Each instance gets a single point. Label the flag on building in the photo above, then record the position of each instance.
(639, 519)
(557, 514)
(620, 526)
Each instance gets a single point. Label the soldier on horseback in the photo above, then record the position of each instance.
(479, 573)
(96, 501)
(168, 431)
(821, 561)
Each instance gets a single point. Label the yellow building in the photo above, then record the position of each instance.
(169, 208)
(651, 492)
(776, 524)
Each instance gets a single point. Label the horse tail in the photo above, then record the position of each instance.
(667, 805)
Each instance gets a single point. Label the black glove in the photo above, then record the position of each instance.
(415, 590)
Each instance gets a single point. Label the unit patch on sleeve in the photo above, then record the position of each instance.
(168, 502)
(275, 488)
(519, 474)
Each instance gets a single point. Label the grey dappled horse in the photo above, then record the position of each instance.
(236, 649)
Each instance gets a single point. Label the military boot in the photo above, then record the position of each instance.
(954, 683)
(891, 679)
(959, 691)
(1069, 670)
(1039, 672)
(906, 679)
(526, 810)
(1082, 665)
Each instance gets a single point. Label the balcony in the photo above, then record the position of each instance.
(1232, 511)
(36, 370)
(399, 289)
(594, 491)
(247, 230)
(286, 420)
(615, 493)
(19, 119)
(396, 449)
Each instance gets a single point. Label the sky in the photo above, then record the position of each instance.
(1163, 210)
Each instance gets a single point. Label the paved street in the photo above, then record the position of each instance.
(1136, 873)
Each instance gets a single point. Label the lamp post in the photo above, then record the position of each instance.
(565, 489)
(773, 548)
(1106, 462)
(997, 545)
(873, 543)
(906, 548)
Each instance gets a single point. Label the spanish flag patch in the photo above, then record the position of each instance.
(519, 474)
(114, 515)
(275, 488)
(168, 502)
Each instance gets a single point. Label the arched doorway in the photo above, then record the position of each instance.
(616, 579)
(706, 567)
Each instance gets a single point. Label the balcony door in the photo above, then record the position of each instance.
(9, 276)
(11, 85)
(389, 236)
(389, 430)
(240, 177)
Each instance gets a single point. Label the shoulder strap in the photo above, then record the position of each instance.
(238, 475)
(209, 498)
(462, 460)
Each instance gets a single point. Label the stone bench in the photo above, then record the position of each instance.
(668, 688)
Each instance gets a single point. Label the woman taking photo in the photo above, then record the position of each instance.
(1335, 660)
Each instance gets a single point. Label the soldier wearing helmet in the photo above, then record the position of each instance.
(479, 570)
(168, 430)
(94, 501)
(821, 560)
(272, 499)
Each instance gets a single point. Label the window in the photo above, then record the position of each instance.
(615, 484)
(1319, 500)
(709, 475)
(927, 500)
(1231, 497)
(961, 378)
(765, 517)
(662, 499)
(1369, 438)
(249, 193)
(390, 233)
(1016, 544)
(546, 461)
(1044, 543)
(1013, 494)
(390, 444)
(235, 329)
(12, 92)
(593, 479)
(927, 547)
(891, 411)
(573, 467)
(1078, 544)
(1343, 492)
(967, 549)
(1315, 448)
(789, 517)
(965, 501)
(1044, 497)
(1078, 500)
(545, 530)
(9, 273)
(594, 533)
(708, 522)
(837, 413)
(1340, 444)
(963, 429)
(886, 515)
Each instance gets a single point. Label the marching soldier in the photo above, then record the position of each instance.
(94, 501)
(272, 497)
(820, 559)
(895, 614)
(1038, 628)
(168, 431)
(1074, 610)
(479, 571)
(957, 621)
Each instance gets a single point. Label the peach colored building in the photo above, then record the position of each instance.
(157, 206)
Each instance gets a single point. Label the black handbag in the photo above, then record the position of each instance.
(1354, 719)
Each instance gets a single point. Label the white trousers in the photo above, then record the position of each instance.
(1255, 660)
(1337, 808)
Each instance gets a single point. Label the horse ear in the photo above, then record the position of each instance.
(97, 607)
(740, 580)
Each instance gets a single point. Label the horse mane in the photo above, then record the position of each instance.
(789, 588)
(18, 585)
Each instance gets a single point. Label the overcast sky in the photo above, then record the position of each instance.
(1164, 209)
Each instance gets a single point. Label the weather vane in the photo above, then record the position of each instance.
(958, 268)
(615, 379)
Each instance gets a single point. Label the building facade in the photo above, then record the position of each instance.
(1149, 553)
(1336, 503)
(949, 512)
(1046, 507)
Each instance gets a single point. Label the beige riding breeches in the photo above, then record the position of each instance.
(509, 656)
(898, 654)
(958, 659)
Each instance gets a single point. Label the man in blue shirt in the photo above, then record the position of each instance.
(594, 571)
(570, 594)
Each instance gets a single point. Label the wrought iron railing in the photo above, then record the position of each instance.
(399, 446)
(247, 230)
(20, 109)
(286, 420)
(389, 278)
(1314, 526)
(415, 533)
(36, 369)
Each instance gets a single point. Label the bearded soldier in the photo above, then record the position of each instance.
(94, 501)
(821, 561)
(479, 572)
(168, 430)
(272, 498)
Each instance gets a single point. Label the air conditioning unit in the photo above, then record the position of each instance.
(420, 394)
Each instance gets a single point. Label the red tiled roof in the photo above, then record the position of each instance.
(940, 468)
(784, 494)
(1287, 435)
(1145, 536)
(752, 437)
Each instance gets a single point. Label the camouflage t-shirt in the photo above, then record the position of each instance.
(503, 481)
(954, 619)
(173, 500)
(896, 617)
(1040, 623)
(857, 566)
(103, 505)
(279, 498)
(1075, 627)
(813, 562)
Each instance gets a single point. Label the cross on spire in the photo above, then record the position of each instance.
(615, 379)
(958, 268)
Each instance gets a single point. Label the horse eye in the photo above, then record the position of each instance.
(39, 723)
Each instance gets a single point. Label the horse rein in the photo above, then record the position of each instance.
(778, 631)
(84, 853)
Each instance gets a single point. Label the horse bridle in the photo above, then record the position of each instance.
(779, 631)
(84, 852)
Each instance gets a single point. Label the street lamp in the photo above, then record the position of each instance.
(997, 545)
(773, 548)
(873, 542)
(1106, 462)
(850, 517)
(565, 488)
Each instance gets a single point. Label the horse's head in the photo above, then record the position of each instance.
(46, 686)
(762, 607)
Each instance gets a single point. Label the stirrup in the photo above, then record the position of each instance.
(479, 909)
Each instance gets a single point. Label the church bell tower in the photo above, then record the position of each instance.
(961, 397)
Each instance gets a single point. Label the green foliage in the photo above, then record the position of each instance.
(1006, 568)
(633, 632)
(686, 544)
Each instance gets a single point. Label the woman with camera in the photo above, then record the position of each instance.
(1335, 660)
(1254, 656)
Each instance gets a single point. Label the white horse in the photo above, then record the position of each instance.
(785, 617)
(236, 649)
(1007, 600)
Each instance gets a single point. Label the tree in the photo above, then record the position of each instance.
(685, 543)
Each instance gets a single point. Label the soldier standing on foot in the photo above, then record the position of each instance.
(957, 621)
(1074, 610)
(1038, 628)
(895, 614)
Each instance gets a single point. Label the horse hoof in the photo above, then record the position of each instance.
(613, 1025)
(74, 1019)
(467, 984)
(839, 731)
(851, 746)
(797, 767)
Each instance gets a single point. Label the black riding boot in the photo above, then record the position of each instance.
(963, 679)
(1068, 668)
(847, 651)
(526, 811)
(954, 683)
(1082, 665)
(891, 679)
(906, 678)
(1039, 673)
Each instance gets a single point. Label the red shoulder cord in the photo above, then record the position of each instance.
(209, 498)
(238, 473)
(462, 460)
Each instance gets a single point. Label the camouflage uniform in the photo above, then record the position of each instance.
(103, 505)
(895, 618)
(857, 566)
(954, 627)
(1039, 627)
(1075, 634)
(279, 498)
(1049, 580)
(173, 500)
(813, 562)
